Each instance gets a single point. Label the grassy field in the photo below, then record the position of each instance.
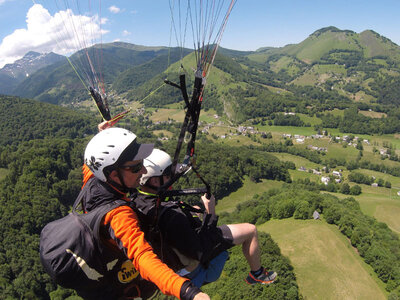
(325, 264)
(381, 203)
(297, 160)
(311, 120)
(165, 133)
(163, 114)
(287, 129)
(245, 193)
(378, 202)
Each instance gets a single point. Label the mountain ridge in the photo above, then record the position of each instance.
(341, 65)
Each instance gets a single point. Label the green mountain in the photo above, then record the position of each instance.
(58, 83)
(332, 67)
(336, 60)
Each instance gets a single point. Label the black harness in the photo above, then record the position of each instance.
(190, 125)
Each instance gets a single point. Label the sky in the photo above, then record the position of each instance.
(36, 25)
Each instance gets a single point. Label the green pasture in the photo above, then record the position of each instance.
(395, 181)
(288, 129)
(245, 193)
(165, 133)
(308, 78)
(336, 150)
(336, 112)
(372, 114)
(361, 96)
(376, 159)
(163, 114)
(381, 203)
(296, 174)
(310, 120)
(278, 90)
(297, 160)
(3, 173)
(335, 69)
(325, 263)
(235, 140)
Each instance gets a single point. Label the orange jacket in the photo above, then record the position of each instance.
(87, 174)
(126, 232)
(123, 225)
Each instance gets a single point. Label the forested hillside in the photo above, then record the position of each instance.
(24, 120)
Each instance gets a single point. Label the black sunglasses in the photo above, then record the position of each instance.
(134, 168)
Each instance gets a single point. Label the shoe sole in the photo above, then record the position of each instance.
(259, 281)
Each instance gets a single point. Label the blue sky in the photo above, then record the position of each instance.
(252, 24)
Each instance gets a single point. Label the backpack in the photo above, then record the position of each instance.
(73, 255)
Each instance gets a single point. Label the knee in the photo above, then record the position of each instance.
(252, 228)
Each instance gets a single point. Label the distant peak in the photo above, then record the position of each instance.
(32, 53)
(330, 29)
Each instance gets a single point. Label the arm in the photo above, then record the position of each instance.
(124, 229)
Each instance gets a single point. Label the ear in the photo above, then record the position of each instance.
(114, 177)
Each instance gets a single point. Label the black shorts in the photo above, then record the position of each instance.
(227, 237)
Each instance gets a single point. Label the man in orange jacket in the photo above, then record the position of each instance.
(116, 160)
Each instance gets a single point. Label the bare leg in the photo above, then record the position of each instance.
(246, 234)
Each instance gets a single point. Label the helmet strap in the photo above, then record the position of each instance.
(120, 186)
(121, 179)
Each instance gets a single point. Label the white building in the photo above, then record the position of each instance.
(325, 180)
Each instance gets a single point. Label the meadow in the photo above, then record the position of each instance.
(325, 263)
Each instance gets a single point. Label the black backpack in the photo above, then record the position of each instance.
(72, 253)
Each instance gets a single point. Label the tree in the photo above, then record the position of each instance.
(345, 188)
(355, 190)
(380, 182)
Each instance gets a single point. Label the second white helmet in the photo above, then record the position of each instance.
(157, 163)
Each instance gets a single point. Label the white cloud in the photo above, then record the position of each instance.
(114, 9)
(126, 33)
(3, 1)
(103, 21)
(46, 33)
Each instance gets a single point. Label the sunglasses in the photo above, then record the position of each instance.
(134, 168)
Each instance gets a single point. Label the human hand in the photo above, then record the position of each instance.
(209, 203)
(201, 296)
(103, 125)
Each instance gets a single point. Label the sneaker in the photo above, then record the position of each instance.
(266, 277)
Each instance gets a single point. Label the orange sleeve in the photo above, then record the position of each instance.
(124, 223)
(87, 174)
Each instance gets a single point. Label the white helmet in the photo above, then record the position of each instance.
(156, 165)
(112, 147)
